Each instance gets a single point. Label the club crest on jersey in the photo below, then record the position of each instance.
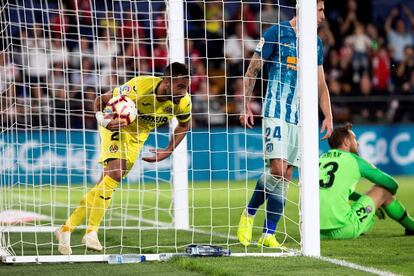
(125, 89)
(113, 148)
(168, 110)
(260, 44)
(368, 209)
(269, 147)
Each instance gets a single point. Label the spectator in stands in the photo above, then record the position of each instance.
(376, 40)
(345, 57)
(114, 75)
(351, 19)
(105, 49)
(83, 12)
(193, 55)
(9, 73)
(131, 29)
(368, 113)
(381, 69)
(89, 96)
(137, 53)
(405, 70)
(82, 50)
(327, 37)
(160, 56)
(214, 30)
(199, 90)
(59, 22)
(36, 59)
(87, 77)
(160, 24)
(400, 36)
(237, 48)
(59, 108)
(270, 15)
(109, 22)
(58, 51)
(57, 78)
(199, 79)
(360, 43)
(249, 17)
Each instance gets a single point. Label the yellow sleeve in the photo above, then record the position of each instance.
(183, 113)
(128, 89)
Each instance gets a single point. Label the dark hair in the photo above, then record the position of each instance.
(176, 69)
(339, 134)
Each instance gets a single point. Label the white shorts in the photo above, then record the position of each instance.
(281, 140)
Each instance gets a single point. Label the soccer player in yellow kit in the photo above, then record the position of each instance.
(157, 101)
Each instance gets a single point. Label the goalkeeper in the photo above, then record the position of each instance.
(340, 170)
(157, 101)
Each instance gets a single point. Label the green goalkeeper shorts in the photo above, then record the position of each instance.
(361, 219)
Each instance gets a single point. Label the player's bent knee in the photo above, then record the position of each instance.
(379, 195)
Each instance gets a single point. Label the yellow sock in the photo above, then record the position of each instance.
(102, 199)
(78, 216)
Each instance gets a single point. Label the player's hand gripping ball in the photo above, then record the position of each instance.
(121, 107)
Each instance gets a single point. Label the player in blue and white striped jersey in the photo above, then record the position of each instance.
(277, 49)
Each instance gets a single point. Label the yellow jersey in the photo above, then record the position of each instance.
(151, 112)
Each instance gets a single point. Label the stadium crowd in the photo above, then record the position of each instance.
(54, 64)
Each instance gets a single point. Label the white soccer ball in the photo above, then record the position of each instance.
(121, 107)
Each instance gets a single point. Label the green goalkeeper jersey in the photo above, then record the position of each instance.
(339, 172)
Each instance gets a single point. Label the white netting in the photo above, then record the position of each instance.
(59, 55)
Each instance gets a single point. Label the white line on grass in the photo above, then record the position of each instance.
(167, 225)
(355, 266)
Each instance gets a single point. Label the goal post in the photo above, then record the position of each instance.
(308, 89)
(57, 63)
(180, 162)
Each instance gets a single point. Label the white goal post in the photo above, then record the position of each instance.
(49, 144)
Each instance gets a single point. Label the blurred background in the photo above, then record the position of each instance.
(58, 55)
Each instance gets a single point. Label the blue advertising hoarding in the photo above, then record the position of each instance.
(217, 154)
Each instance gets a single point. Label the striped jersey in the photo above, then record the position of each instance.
(277, 48)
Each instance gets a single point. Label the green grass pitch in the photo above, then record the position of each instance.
(214, 212)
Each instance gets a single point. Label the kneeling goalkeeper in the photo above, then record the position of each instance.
(157, 101)
(339, 171)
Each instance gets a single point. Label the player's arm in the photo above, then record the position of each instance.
(179, 133)
(376, 176)
(409, 14)
(99, 104)
(388, 22)
(249, 81)
(324, 103)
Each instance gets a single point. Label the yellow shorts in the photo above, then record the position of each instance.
(119, 145)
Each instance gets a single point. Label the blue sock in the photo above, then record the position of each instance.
(275, 204)
(258, 197)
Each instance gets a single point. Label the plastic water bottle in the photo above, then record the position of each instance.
(125, 259)
(206, 250)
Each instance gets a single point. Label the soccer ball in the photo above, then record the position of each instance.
(121, 107)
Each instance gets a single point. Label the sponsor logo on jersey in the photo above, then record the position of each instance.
(291, 63)
(269, 147)
(259, 46)
(113, 148)
(125, 89)
(154, 120)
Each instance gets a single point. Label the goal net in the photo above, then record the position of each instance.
(58, 56)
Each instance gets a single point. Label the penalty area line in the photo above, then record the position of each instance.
(355, 266)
